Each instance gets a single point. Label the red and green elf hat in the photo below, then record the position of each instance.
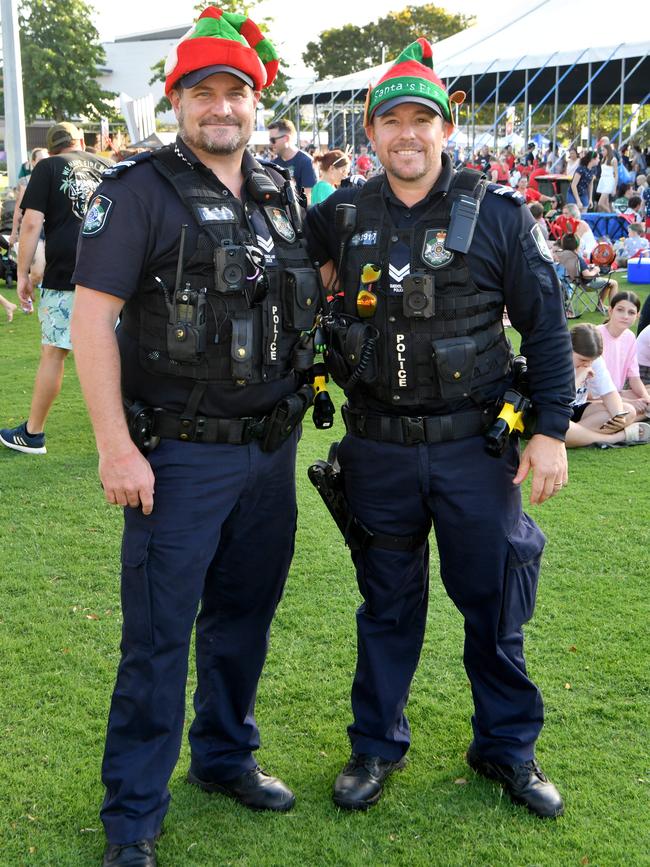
(412, 79)
(222, 42)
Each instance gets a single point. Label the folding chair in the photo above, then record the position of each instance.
(585, 298)
(568, 289)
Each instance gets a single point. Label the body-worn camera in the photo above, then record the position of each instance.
(240, 269)
(417, 301)
(231, 266)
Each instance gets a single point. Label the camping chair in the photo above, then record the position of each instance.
(586, 297)
(568, 289)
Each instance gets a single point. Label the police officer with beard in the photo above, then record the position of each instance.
(198, 248)
(421, 261)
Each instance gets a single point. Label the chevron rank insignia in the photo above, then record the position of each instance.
(434, 252)
(281, 223)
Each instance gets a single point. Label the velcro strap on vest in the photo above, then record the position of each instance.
(410, 430)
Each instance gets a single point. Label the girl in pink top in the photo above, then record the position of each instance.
(619, 350)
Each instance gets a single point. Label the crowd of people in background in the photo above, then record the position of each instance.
(611, 404)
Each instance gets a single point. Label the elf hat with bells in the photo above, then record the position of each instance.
(221, 42)
(412, 79)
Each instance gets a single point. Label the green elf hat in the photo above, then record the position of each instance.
(412, 79)
(222, 42)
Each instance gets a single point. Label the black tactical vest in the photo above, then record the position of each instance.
(440, 340)
(233, 311)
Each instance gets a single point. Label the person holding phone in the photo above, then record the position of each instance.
(605, 420)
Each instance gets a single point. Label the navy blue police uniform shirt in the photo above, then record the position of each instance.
(139, 236)
(506, 257)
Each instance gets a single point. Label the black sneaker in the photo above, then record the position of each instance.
(17, 438)
(361, 782)
(142, 853)
(525, 784)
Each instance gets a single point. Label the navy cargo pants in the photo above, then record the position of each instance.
(221, 537)
(489, 561)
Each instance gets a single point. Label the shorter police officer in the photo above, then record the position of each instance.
(425, 258)
(198, 247)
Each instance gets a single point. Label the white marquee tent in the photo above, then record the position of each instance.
(545, 52)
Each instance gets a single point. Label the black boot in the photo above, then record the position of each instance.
(142, 853)
(254, 789)
(525, 783)
(361, 782)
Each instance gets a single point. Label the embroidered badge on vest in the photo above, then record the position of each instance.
(281, 223)
(97, 215)
(540, 243)
(434, 252)
(215, 214)
(364, 239)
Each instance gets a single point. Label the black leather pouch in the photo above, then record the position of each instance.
(454, 359)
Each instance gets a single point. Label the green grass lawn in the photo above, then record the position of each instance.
(587, 648)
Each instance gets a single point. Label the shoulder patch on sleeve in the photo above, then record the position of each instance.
(540, 243)
(96, 216)
(119, 168)
(506, 193)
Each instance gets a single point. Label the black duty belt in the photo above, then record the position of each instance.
(235, 431)
(409, 430)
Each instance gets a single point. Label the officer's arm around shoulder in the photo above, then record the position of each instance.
(320, 226)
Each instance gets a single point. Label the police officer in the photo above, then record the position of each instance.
(426, 259)
(198, 247)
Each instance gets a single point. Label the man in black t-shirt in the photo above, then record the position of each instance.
(283, 136)
(56, 199)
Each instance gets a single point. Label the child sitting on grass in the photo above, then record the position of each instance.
(578, 269)
(607, 420)
(635, 243)
(619, 350)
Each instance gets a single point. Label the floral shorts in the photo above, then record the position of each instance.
(54, 313)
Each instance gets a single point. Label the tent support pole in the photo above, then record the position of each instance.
(621, 98)
(496, 111)
(526, 130)
(473, 118)
(589, 105)
(555, 107)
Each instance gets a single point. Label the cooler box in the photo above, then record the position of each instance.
(638, 270)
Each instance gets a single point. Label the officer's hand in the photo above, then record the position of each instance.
(546, 457)
(127, 479)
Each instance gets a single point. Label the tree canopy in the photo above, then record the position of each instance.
(346, 49)
(61, 59)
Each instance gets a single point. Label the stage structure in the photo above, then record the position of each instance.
(523, 77)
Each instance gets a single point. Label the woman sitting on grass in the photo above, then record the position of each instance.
(619, 350)
(606, 420)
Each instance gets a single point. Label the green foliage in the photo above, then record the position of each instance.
(60, 620)
(61, 57)
(158, 70)
(346, 49)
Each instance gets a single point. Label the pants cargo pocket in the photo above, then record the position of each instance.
(136, 593)
(526, 544)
